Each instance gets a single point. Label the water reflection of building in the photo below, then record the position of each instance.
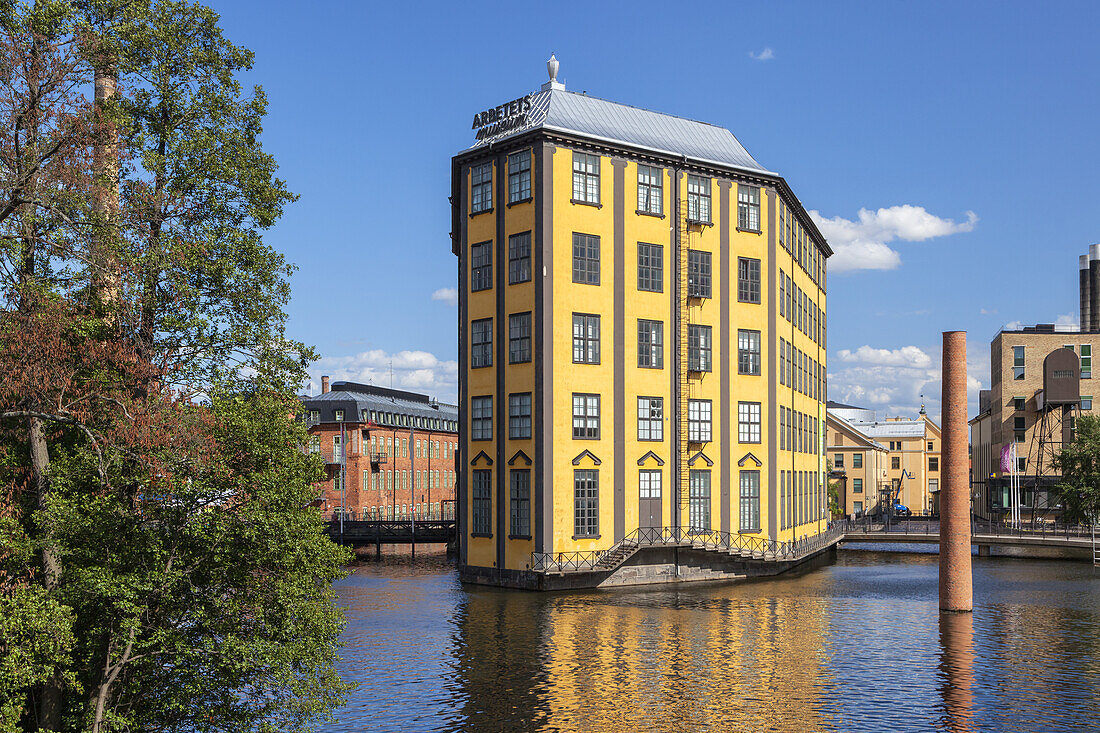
(723, 658)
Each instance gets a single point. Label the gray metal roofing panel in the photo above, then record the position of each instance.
(364, 401)
(894, 429)
(564, 111)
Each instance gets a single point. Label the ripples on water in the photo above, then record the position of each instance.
(855, 646)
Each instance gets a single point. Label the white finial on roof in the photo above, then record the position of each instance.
(552, 70)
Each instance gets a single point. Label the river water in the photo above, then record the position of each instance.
(854, 646)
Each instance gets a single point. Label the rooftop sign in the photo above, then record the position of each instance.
(504, 118)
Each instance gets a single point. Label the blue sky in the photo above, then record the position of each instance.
(965, 133)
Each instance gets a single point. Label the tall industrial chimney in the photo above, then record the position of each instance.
(324, 385)
(1094, 290)
(1086, 298)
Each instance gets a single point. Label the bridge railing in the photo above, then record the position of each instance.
(1037, 529)
(705, 539)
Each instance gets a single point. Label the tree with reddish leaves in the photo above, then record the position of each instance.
(154, 514)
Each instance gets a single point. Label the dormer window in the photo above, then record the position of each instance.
(339, 416)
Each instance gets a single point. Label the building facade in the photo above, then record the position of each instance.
(859, 466)
(389, 454)
(912, 455)
(642, 334)
(1023, 408)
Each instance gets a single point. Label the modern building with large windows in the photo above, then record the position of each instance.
(642, 341)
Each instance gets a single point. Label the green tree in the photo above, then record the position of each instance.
(154, 522)
(1079, 464)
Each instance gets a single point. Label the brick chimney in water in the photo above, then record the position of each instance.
(324, 384)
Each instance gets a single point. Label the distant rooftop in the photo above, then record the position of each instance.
(389, 406)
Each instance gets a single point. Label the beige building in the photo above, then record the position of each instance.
(912, 455)
(859, 466)
(1024, 408)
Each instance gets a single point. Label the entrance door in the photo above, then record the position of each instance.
(649, 499)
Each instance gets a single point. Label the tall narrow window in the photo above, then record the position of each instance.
(748, 351)
(586, 503)
(699, 199)
(481, 266)
(748, 280)
(519, 338)
(481, 418)
(698, 274)
(586, 338)
(782, 294)
(519, 176)
(857, 460)
(699, 500)
(650, 344)
(857, 485)
(481, 188)
(586, 259)
(650, 267)
(1086, 361)
(651, 418)
(481, 521)
(586, 178)
(750, 501)
(1017, 362)
(649, 189)
(748, 208)
(315, 444)
(519, 494)
(748, 422)
(519, 416)
(699, 422)
(586, 416)
(699, 348)
(519, 258)
(481, 343)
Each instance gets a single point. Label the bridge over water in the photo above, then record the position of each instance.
(1077, 540)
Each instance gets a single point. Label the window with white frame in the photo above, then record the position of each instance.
(1086, 361)
(586, 416)
(699, 199)
(586, 338)
(748, 351)
(748, 422)
(699, 348)
(748, 207)
(519, 176)
(650, 181)
(699, 422)
(1017, 362)
(650, 344)
(481, 418)
(586, 178)
(651, 418)
(481, 188)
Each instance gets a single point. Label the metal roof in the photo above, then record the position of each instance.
(894, 429)
(559, 110)
(354, 399)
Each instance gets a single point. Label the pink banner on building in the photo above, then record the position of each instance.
(1006, 458)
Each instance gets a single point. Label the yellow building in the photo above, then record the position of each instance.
(859, 466)
(642, 335)
(912, 459)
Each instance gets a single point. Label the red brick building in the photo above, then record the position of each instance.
(389, 454)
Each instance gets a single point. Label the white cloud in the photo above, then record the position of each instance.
(1067, 320)
(418, 371)
(447, 295)
(910, 356)
(897, 381)
(861, 245)
(1013, 326)
(766, 55)
(989, 312)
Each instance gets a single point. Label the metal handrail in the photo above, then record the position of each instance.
(705, 539)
